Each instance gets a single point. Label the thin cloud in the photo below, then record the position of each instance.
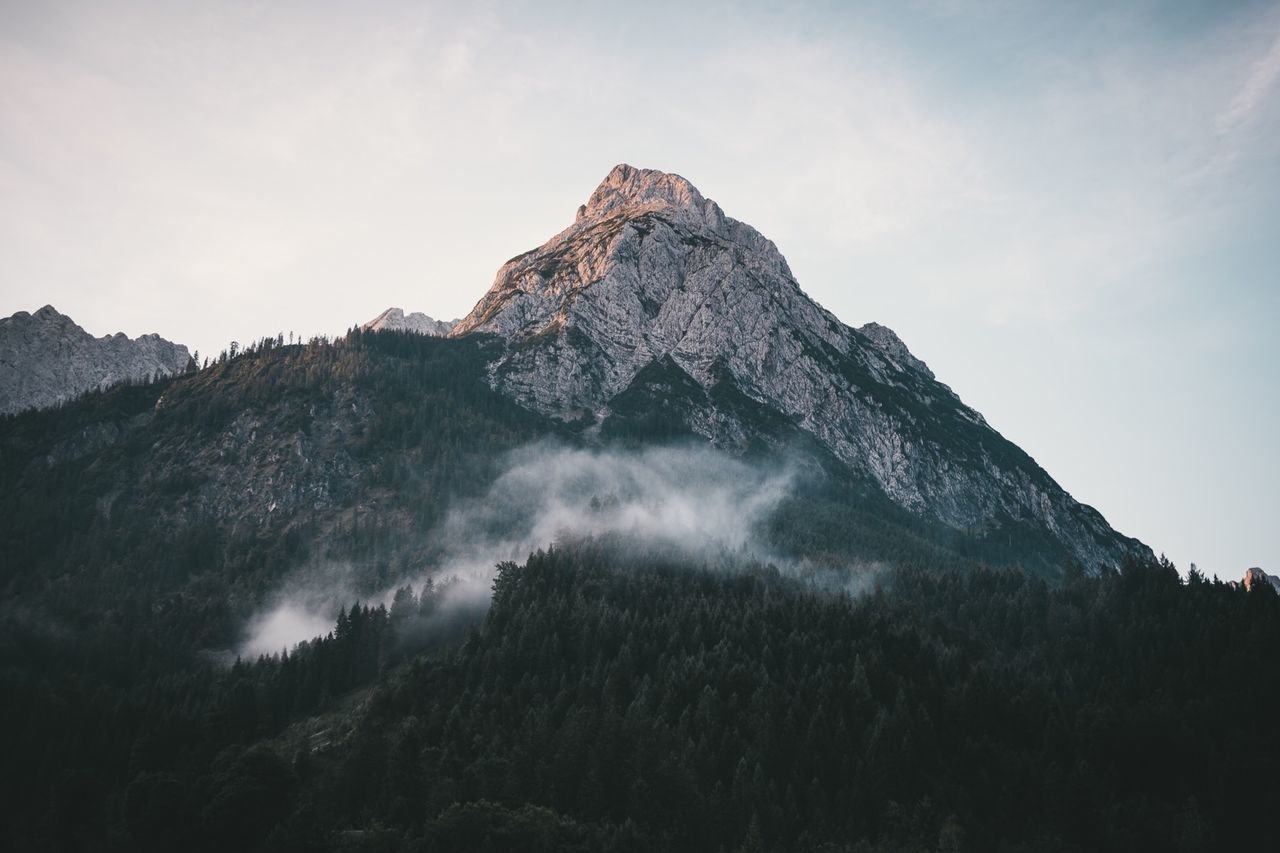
(1254, 93)
(693, 501)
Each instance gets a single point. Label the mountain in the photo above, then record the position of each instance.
(395, 320)
(1254, 577)
(599, 690)
(47, 359)
(655, 300)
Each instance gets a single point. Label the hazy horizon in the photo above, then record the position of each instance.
(1068, 214)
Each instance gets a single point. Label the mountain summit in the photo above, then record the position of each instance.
(46, 359)
(655, 305)
(395, 320)
(538, 284)
(628, 188)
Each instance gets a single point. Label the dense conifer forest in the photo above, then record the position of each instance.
(615, 701)
(907, 689)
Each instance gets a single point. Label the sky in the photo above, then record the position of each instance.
(1071, 211)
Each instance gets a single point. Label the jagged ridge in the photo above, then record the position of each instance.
(46, 359)
(395, 320)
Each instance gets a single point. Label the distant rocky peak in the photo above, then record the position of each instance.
(395, 320)
(1255, 576)
(46, 358)
(48, 317)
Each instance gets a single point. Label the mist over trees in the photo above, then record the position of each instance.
(615, 701)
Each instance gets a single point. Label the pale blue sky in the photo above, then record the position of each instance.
(1071, 211)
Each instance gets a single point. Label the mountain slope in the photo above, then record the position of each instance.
(232, 476)
(652, 276)
(46, 359)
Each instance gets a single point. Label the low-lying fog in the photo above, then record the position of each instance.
(690, 499)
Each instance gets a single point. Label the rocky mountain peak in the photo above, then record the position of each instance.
(629, 188)
(46, 358)
(1255, 576)
(655, 301)
(394, 319)
(656, 213)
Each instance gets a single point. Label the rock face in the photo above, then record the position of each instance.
(654, 294)
(1256, 576)
(395, 320)
(46, 359)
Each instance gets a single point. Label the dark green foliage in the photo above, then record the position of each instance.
(126, 557)
(615, 702)
(118, 474)
(607, 701)
(129, 544)
(656, 405)
(621, 703)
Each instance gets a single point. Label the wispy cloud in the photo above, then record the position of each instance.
(1255, 92)
(1109, 164)
(693, 502)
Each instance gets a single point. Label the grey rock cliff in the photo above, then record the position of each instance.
(395, 320)
(653, 279)
(46, 359)
(1255, 576)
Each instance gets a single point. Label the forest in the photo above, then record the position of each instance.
(613, 699)
(906, 689)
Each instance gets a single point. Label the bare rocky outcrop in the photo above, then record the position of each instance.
(395, 320)
(1255, 576)
(46, 359)
(654, 289)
